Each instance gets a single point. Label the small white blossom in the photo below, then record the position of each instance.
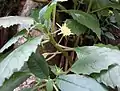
(64, 30)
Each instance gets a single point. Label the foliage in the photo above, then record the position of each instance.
(94, 68)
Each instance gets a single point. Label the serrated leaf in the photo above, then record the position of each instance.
(13, 40)
(87, 20)
(110, 77)
(16, 59)
(15, 80)
(74, 82)
(93, 59)
(38, 66)
(49, 85)
(75, 27)
(8, 21)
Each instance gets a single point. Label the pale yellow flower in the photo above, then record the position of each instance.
(110, 12)
(64, 30)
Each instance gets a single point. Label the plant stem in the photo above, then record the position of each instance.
(54, 14)
(55, 44)
(99, 9)
(52, 40)
(77, 41)
(89, 6)
(56, 89)
(60, 39)
(51, 57)
(41, 86)
(61, 7)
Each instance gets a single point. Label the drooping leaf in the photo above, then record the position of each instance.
(93, 59)
(38, 66)
(75, 27)
(16, 59)
(14, 81)
(49, 85)
(13, 40)
(87, 20)
(74, 82)
(8, 21)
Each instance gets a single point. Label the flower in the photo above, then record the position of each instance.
(64, 30)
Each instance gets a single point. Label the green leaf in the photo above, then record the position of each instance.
(111, 77)
(49, 85)
(43, 17)
(108, 46)
(49, 10)
(38, 66)
(74, 82)
(16, 59)
(39, 26)
(46, 11)
(115, 6)
(13, 40)
(75, 27)
(56, 70)
(103, 4)
(8, 21)
(41, 14)
(14, 81)
(93, 59)
(2, 56)
(35, 14)
(87, 20)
